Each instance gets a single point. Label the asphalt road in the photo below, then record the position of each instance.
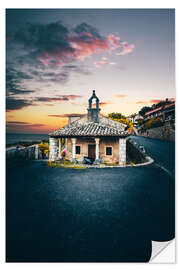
(91, 215)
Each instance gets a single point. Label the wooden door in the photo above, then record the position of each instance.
(92, 151)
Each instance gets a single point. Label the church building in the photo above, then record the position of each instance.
(92, 135)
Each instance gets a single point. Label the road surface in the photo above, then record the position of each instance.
(91, 215)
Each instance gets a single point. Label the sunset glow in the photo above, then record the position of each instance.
(55, 58)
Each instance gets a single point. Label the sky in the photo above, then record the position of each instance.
(56, 57)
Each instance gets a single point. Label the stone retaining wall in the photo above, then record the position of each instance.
(26, 153)
(163, 133)
(135, 153)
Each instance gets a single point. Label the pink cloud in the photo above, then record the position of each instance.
(102, 104)
(126, 48)
(114, 41)
(142, 102)
(100, 63)
(83, 46)
(63, 45)
(120, 96)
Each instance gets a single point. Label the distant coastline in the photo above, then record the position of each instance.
(13, 139)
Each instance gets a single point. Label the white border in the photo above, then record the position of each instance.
(71, 4)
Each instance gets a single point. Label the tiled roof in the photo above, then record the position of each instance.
(89, 129)
(161, 108)
(154, 110)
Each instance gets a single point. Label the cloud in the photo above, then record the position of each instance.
(14, 82)
(55, 44)
(152, 101)
(66, 115)
(51, 99)
(155, 101)
(18, 126)
(50, 53)
(114, 41)
(18, 122)
(100, 63)
(103, 62)
(23, 75)
(59, 74)
(46, 104)
(126, 48)
(81, 69)
(17, 104)
(87, 30)
(120, 96)
(142, 102)
(60, 98)
(102, 104)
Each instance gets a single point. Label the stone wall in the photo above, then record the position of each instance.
(134, 152)
(26, 153)
(112, 142)
(122, 151)
(53, 149)
(165, 132)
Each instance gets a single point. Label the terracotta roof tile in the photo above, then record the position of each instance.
(89, 129)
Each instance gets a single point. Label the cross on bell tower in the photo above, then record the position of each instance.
(93, 113)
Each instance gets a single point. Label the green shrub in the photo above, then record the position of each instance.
(152, 123)
(65, 164)
(44, 148)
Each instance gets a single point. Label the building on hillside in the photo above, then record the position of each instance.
(91, 135)
(165, 112)
(135, 117)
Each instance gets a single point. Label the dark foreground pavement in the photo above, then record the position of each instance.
(91, 215)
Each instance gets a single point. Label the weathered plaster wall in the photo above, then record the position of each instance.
(114, 143)
(83, 143)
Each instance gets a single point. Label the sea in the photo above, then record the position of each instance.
(12, 138)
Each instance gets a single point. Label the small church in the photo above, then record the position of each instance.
(93, 136)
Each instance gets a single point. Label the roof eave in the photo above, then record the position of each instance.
(87, 136)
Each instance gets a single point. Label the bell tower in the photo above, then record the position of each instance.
(93, 113)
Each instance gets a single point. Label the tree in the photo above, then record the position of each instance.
(44, 148)
(116, 116)
(144, 110)
(122, 119)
